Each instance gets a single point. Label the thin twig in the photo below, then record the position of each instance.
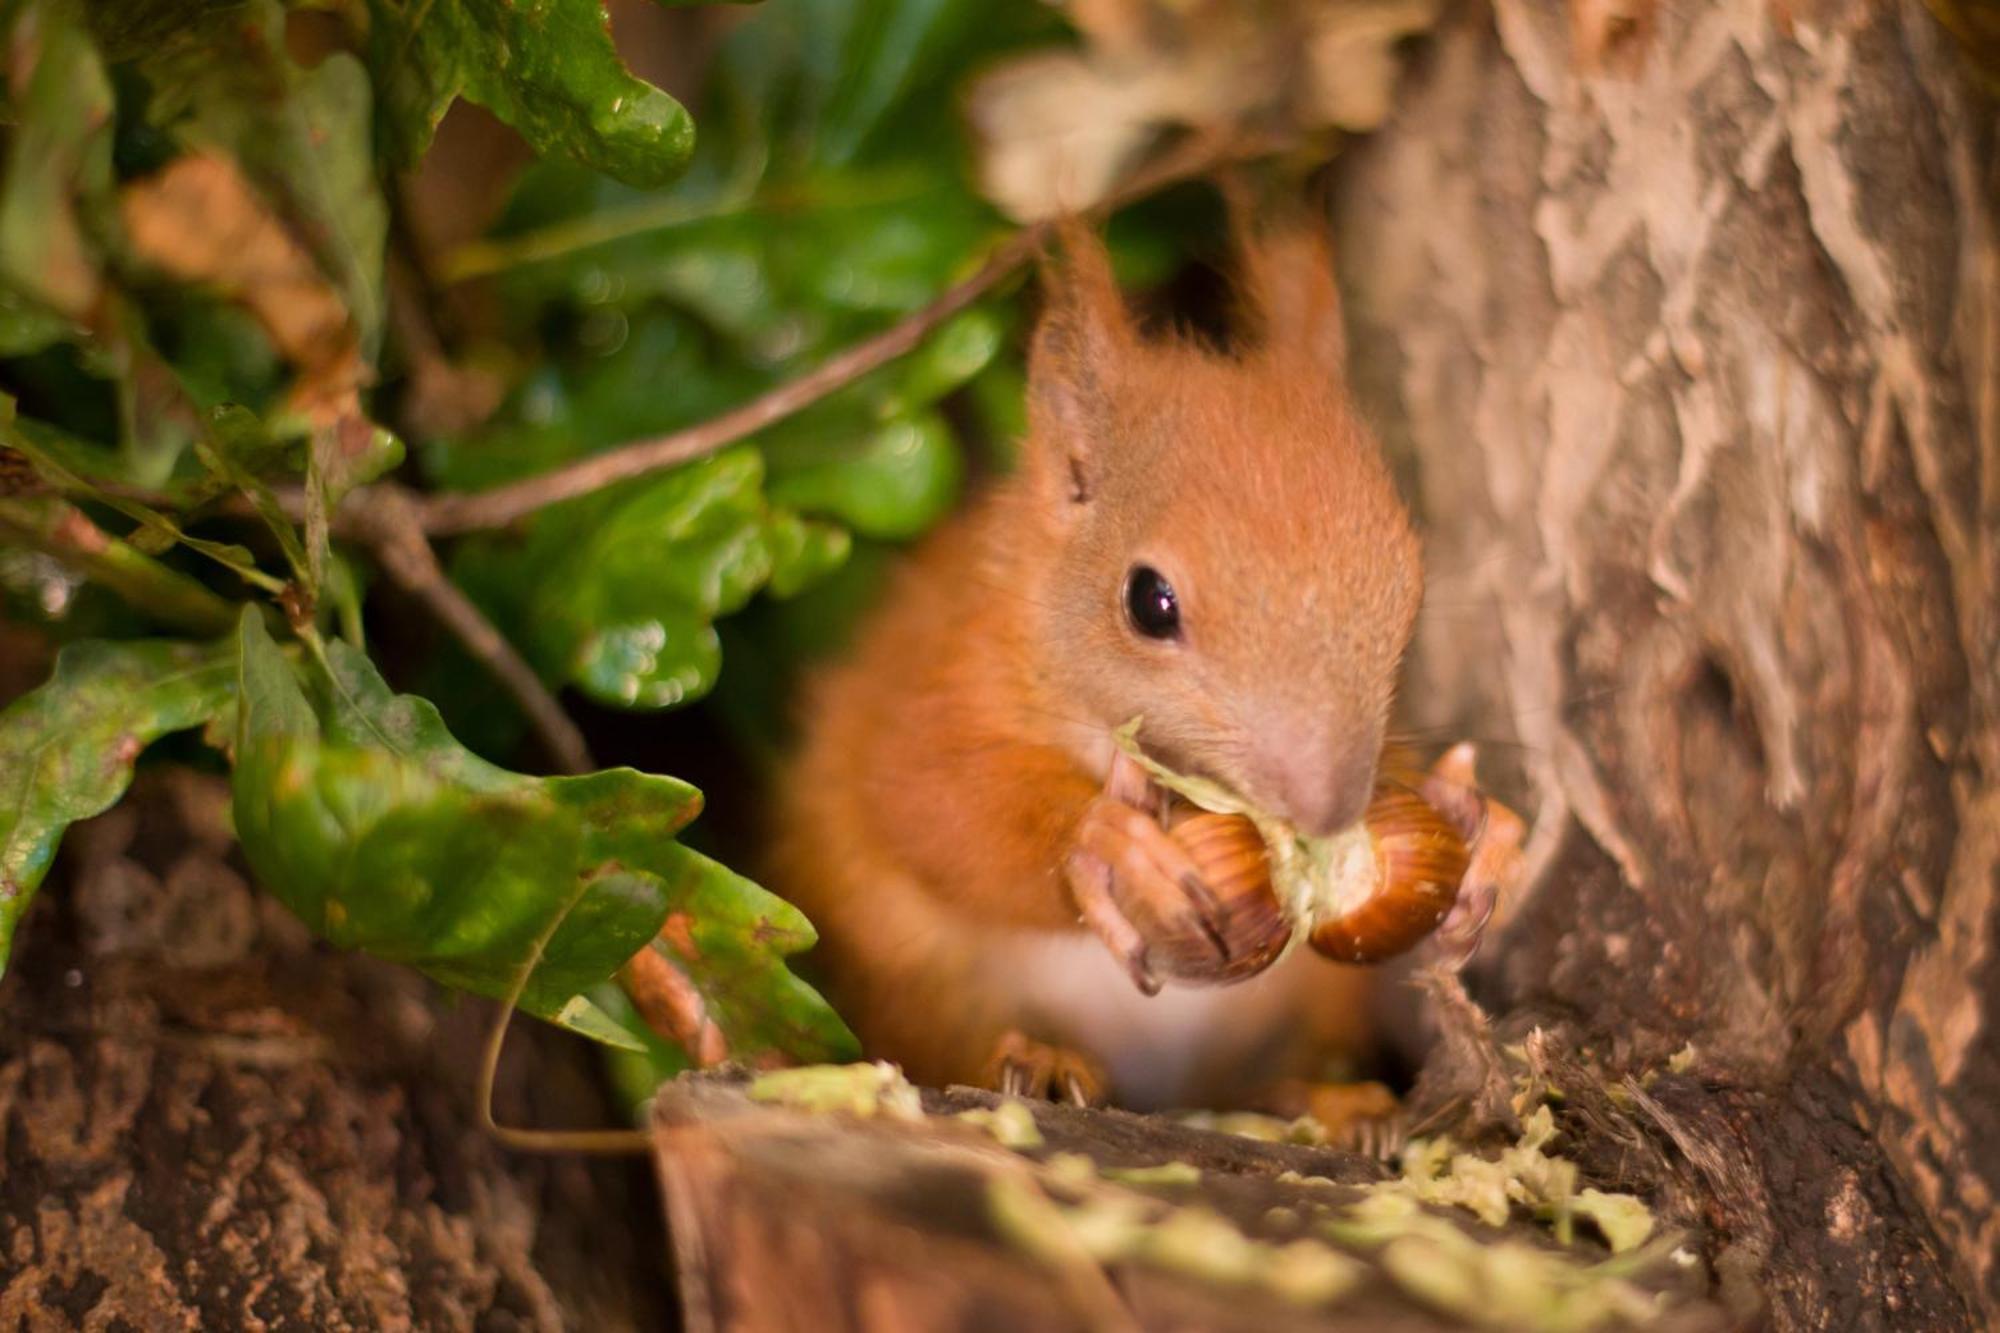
(497, 508)
(587, 1142)
(388, 521)
(446, 514)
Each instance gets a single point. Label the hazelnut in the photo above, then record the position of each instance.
(1361, 895)
(1252, 925)
(1398, 878)
(1419, 862)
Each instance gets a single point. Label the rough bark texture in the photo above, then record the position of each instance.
(1687, 321)
(206, 1121)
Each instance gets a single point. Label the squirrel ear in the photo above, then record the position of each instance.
(1084, 335)
(1287, 283)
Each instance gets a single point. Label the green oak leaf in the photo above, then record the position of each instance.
(363, 815)
(547, 68)
(618, 594)
(730, 938)
(803, 551)
(67, 748)
(333, 103)
(382, 834)
(890, 481)
(639, 1066)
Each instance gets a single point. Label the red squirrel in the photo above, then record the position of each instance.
(1210, 541)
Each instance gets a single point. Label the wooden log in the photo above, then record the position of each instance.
(784, 1220)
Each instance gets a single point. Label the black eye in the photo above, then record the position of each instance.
(1150, 601)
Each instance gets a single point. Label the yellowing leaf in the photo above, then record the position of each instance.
(199, 221)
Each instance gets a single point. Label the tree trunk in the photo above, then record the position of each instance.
(1686, 320)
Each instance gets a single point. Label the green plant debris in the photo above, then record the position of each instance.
(1305, 1130)
(1074, 1170)
(862, 1089)
(1532, 1085)
(1108, 1224)
(1624, 1221)
(1011, 1123)
(1682, 1060)
(1493, 1283)
(1165, 1173)
(1525, 1173)
(1063, 1237)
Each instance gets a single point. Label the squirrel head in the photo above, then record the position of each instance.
(1218, 543)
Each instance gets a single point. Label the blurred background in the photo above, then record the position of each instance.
(1677, 321)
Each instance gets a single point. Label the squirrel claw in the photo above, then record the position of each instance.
(1136, 886)
(1364, 1118)
(1457, 938)
(1140, 970)
(1023, 1067)
(1090, 883)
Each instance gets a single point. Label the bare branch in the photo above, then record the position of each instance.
(447, 514)
(496, 508)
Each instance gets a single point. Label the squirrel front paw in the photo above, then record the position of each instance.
(1364, 1118)
(1493, 837)
(1137, 888)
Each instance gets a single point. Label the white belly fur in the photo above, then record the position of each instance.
(1151, 1046)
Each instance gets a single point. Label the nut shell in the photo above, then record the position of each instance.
(1419, 861)
(1236, 867)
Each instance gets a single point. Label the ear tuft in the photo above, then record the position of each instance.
(1084, 335)
(1287, 287)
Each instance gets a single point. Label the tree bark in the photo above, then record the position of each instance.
(208, 1121)
(1686, 321)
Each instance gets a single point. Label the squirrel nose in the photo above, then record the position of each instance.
(1320, 787)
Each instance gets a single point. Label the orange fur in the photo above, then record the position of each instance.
(947, 762)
